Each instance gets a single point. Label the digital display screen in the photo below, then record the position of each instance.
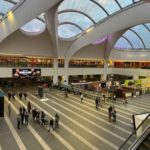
(30, 72)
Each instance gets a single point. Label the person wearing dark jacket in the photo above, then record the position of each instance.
(109, 113)
(51, 124)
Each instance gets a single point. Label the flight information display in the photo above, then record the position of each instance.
(27, 72)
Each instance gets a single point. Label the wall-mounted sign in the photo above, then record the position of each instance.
(27, 72)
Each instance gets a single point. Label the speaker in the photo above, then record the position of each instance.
(103, 85)
(1, 104)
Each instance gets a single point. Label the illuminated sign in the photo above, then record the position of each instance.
(20, 72)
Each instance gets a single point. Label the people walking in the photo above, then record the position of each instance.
(109, 113)
(9, 109)
(57, 118)
(96, 103)
(51, 124)
(113, 113)
(18, 120)
(29, 107)
(66, 94)
(125, 102)
(22, 115)
(26, 118)
(104, 99)
(25, 95)
(9, 95)
(114, 98)
(13, 95)
(42, 118)
(20, 95)
(81, 97)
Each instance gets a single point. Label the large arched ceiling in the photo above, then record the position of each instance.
(125, 19)
(77, 17)
(137, 37)
(23, 14)
(86, 14)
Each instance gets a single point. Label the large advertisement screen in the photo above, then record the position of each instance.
(29, 72)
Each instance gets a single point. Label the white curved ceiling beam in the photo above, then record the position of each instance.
(29, 10)
(111, 41)
(125, 19)
(52, 23)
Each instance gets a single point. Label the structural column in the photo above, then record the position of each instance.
(66, 70)
(55, 72)
(104, 76)
(135, 77)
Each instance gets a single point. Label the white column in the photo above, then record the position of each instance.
(135, 77)
(65, 76)
(55, 73)
(65, 79)
(104, 76)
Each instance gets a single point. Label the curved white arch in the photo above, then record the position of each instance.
(23, 14)
(125, 19)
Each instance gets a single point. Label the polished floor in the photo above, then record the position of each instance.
(82, 127)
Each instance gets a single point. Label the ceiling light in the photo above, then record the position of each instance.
(89, 29)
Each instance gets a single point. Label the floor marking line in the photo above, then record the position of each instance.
(15, 134)
(55, 134)
(63, 125)
(83, 127)
(122, 108)
(32, 130)
(118, 108)
(139, 103)
(88, 101)
(92, 116)
(98, 111)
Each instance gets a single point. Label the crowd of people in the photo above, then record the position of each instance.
(38, 117)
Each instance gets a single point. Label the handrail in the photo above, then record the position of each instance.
(141, 139)
(134, 132)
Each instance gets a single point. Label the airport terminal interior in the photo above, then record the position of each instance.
(74, 74)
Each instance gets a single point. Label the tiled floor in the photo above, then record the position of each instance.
(82, 127)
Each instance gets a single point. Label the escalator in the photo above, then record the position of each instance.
(145, 145)
(140, 137)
